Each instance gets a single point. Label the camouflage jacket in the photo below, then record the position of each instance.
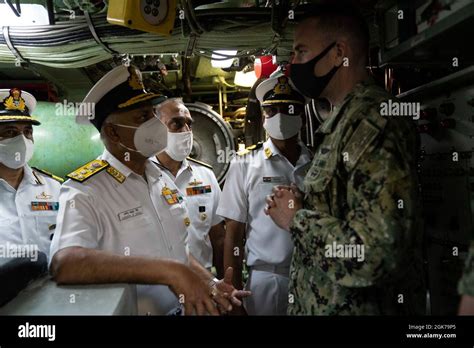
(360, 192)
(466, 285)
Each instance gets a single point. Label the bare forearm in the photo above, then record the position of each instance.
(234, 249)
(199, 269)
(78, 265)
(217, 235)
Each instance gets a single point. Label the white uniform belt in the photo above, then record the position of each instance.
(277, 269)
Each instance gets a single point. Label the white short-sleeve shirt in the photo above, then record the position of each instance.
(28, 214)
(250, 179)
(131, 218)
(202, 191)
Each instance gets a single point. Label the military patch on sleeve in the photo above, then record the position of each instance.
(87, 171)
(358, 143)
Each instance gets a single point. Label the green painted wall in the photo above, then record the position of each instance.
(61, 145)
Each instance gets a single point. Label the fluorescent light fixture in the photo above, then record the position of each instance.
(218, 61)
(247, 79)
(31, 14)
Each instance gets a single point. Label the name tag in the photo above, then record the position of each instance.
(274, 179)
(128, 214)
(198, 190)
(44, 206)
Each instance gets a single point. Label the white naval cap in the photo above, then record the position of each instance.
(120, 88)
(278, 90)
(17, 106)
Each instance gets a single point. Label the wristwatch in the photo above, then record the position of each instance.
(213, 282)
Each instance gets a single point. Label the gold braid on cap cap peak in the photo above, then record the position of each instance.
(282, 101)
(19, 118)
(138, 98)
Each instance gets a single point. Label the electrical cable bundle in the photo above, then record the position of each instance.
(70, 44)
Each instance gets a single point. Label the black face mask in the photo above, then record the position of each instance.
(302, 76)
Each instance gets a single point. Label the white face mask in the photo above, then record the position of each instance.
(16, 152)
(283, 126)
(150, 137)
(179, 145)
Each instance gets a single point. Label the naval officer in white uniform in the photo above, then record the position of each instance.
(281, 160)
(28, 196)
(121, 220)
(197, 182)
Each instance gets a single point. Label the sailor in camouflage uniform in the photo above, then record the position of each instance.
(466, 285)
(361, 191)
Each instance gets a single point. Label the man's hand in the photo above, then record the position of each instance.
(283, 204)
(196, 295)
(225, 286)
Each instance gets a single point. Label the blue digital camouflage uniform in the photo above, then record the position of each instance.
(361, 189)
(466, 285)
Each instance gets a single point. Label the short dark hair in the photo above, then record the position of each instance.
(341, 18)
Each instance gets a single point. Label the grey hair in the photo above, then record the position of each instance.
(167, 101)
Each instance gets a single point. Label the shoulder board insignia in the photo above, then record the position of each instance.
(116, 174)
(243, 152)
(268, 152)
(52, 176)
(250, 148)
(199, 162)
(88, 170)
